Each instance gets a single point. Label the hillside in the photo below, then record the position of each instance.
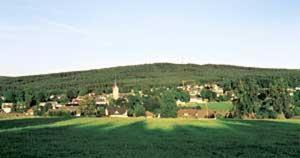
(143, 76)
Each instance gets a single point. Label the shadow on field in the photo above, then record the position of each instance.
(154, 138)
(26, 122)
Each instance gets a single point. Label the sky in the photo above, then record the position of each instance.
(48, 36)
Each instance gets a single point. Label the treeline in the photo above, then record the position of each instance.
(256, 100)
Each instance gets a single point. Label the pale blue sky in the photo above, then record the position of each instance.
(43, 36)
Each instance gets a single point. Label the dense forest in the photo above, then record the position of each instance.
(144, 77)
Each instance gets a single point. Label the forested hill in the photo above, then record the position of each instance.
(142, 76)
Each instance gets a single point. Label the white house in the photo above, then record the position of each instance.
(102, 100)
(217, 89)
(7, 107)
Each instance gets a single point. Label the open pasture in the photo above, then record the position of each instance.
(139, 137)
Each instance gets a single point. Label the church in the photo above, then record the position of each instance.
(115, 91)
(116, 111)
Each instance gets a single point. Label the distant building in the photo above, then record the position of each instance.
(76, 101)
(7, 107)
(218, 90)
(102, 100)
(291, 91)
(115, 89)
(30, 112)
(149, 115)
(52, 103)
(92, 94)
(57, 106)
(112, 111)
(180, 103)
(52, 97)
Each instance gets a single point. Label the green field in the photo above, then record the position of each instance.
(138, 137)
(214, 106)
(218, 106)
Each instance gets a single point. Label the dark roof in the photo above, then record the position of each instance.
(116, 110)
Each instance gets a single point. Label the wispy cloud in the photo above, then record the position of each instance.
(66, 27)
(52, 22)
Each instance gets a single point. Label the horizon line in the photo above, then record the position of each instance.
(177, 63)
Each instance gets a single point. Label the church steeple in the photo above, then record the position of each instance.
(115, 89)
(115, 85)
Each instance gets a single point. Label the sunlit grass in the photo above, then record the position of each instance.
(140, 137)
(214, 106)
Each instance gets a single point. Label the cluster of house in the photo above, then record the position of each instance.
(113, 111)
(103, 100)
(73, 106)
(100, 100)
(195, 93)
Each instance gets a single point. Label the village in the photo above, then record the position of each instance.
(187, 108)
(150, 79)
(106, 101)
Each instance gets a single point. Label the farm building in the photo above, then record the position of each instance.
(149, 115)
(112, 111)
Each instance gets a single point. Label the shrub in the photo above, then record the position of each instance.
(100, 112)
(139, 110)
(297, 111)
(182, 96)
(198, 107)
(168, 105)
(88, 106)
(289, 114)
(21, 107)
(130, 112)
(266, 114)
(62, 113)
(151, 103)
(220, 116)
(222, 98)
(208, 94)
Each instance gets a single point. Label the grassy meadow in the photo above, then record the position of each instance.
(214, 106)
(218, 106)
(139, 137)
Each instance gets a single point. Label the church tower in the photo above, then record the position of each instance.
(115, 89)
